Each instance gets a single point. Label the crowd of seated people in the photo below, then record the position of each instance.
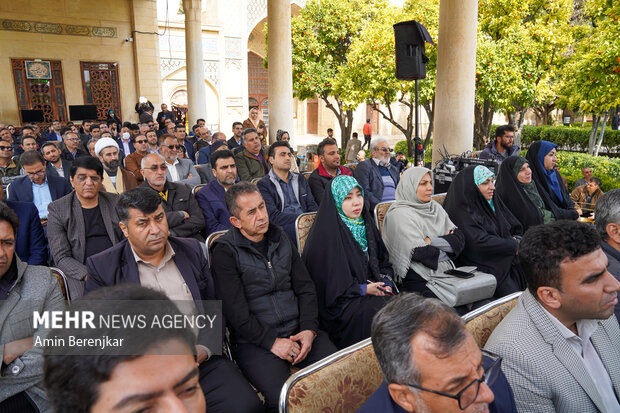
(133, 213)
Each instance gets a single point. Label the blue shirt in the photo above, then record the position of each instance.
(41, 197)
(291, 204)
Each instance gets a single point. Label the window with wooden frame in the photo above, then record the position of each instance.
(100, 85)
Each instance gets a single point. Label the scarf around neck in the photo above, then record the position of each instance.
(341, 186)
(409, 221)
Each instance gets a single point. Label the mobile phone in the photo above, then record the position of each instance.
(459, 273)
(384, 290)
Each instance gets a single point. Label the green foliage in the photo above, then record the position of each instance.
(572, 138)
(428, 155)
(592, 74)
(606, 169)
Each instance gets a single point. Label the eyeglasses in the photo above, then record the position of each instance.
(73, 139)
(383, 149)
(469, 394)
(6, 148)
(172, 147)
(154, 168)
(141, 141)
(33, 174)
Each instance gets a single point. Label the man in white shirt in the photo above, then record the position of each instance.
(179, 169)
(561, 343)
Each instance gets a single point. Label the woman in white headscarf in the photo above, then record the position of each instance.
(418, 234)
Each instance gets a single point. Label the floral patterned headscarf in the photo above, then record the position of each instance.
(341, 186)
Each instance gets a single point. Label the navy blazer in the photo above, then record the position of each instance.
(381, 401)
(117, 265)
(211, 201)
(121, 147)
(204, 155)
(189, 142)
(368, 175)
(21, 188)
(51, 136)
(30, 241)
(273, 202)
(50, 170)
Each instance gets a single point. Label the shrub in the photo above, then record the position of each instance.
(573, 138)
(428, 155)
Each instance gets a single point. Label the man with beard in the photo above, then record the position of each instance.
(377, 176)
(107, 152)
(431, 362)
(503, 145)
(179, 170)
(329, 168)
(560, 342)
(153, 146)
(211, 197)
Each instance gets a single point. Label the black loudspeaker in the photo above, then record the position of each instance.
(411, 61)
(32, 115)
(83, 112)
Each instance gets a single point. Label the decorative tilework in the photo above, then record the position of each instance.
(56, 28)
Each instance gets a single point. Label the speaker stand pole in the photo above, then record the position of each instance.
(416, 139)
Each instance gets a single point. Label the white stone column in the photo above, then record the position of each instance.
(196, 98)
(280, 68)
(456, 73)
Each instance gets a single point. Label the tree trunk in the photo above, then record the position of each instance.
(602, 134)
(519, 125)
(482, 125)
(345, 118)
(595, 121)
(429, 108)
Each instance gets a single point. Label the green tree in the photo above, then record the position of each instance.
(521, 43)
(370, 73)
(592, 74)
(322, 35)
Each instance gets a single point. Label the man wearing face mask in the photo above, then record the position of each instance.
(377, 176)
(115, 179)
(125, 143)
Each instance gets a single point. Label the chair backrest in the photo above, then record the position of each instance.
(482, 321)
(6, 190)
(62, 280)
(439, 198)
(351, 166)
(303, 224)
(197, 188)
(307, 175)
(255, 180)
(341, 382)
(380, 209)
(210, 239)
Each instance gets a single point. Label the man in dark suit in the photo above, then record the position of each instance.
(178, 268)
(54, 134)
(56, 166)
(30, 240)
(182, 211)
(235, 140)
(165, 114)
(376, 175)
(36, 186)
(72, 149)
(423, 348)
(211, 197)
(82, 223)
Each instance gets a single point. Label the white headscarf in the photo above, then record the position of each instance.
(409, 221)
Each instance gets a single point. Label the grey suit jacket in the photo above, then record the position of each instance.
(35, 289)
(67, 237)
(184, 168)
(545, 373)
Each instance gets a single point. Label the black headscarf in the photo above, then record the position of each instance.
(562, 209)
(335, 259)
(490, 245)
(511, 191)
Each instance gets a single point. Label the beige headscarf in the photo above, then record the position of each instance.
(409, 221)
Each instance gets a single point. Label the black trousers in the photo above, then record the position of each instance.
(18, 403)
(366, 141)
(226, 389)
(268, 372)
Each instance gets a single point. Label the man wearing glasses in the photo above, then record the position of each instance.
(431, 362)
(72, 149)
(9, 168)
(179, 169)
(377, 176)
(561, 343)
(36, 186)
(503, 146)
(133, 161)
(82, 223)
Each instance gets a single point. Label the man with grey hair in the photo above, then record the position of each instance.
(376, 175)
(607, 213)
(431, 362)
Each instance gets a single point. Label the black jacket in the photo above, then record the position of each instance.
(263, 298)
(180, 198)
